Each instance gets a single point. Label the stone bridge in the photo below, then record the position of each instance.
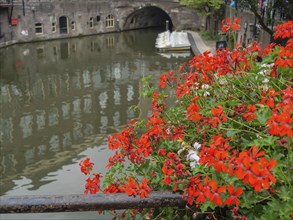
(33, 20)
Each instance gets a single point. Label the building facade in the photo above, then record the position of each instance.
(34, 20)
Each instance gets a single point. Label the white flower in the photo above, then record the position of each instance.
(192, 164)
(205, 86)
(206, 94)
(266, 68)
(266, 80)
(265, 88)
(196, 145)
(263, 72)
(267, 65)
(192, 155)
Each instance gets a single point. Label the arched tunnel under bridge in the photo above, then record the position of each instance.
(149, 16)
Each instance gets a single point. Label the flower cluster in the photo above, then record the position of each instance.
(225, 141)
(228, 25)
(132, 187)
(252, 168)
(86, 166)
(284, 30)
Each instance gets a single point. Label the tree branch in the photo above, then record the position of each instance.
(261, 22)
(253, 8)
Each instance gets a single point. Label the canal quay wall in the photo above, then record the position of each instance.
(36, 20)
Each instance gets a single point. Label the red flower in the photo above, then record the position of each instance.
(112, 188)
(252, 168)
(232, 199)
(280, 124)
(167, 180)
(117, 158)
(193, 110)
(167, 171)
(250, 114)
(227, 25)
(212, 192)
(165, 78)
(219, 112)
(92, 184)
(86, 166)
(161, 152)
(284, 30)
(144, 188)
(287, 93)
(200, 194)
(131, 187)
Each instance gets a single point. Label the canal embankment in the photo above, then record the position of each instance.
(198, 45)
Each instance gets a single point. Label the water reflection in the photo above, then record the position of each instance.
(61, 95)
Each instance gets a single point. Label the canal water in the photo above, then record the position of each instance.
(59, 101)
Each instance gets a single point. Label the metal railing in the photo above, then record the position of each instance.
(76, 203)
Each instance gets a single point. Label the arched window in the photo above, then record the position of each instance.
(110, 21)
(63, 26)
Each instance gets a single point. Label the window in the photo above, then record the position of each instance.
(110, 21)
(98, 18)
(91, 22)
(63, 25)
(72, 25)
(39, 28)
(53, 27)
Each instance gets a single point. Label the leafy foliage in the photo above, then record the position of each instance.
(206, 7)
(225, 143)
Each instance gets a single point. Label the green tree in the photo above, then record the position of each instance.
(206, 7)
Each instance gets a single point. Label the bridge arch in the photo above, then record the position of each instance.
(149, 16)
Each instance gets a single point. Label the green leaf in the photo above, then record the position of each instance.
(206, 205)
(266, 141)
(263, 114)
(232, 133)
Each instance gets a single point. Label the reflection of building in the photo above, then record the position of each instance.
(54, 98)
(51, 125)
(60, 115)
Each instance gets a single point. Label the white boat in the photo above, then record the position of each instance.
(175, 41)
(176, 54)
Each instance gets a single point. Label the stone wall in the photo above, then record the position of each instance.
(49, 19)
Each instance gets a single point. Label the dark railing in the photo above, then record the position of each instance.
(76, 203)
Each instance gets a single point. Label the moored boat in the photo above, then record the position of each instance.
(175, 41)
